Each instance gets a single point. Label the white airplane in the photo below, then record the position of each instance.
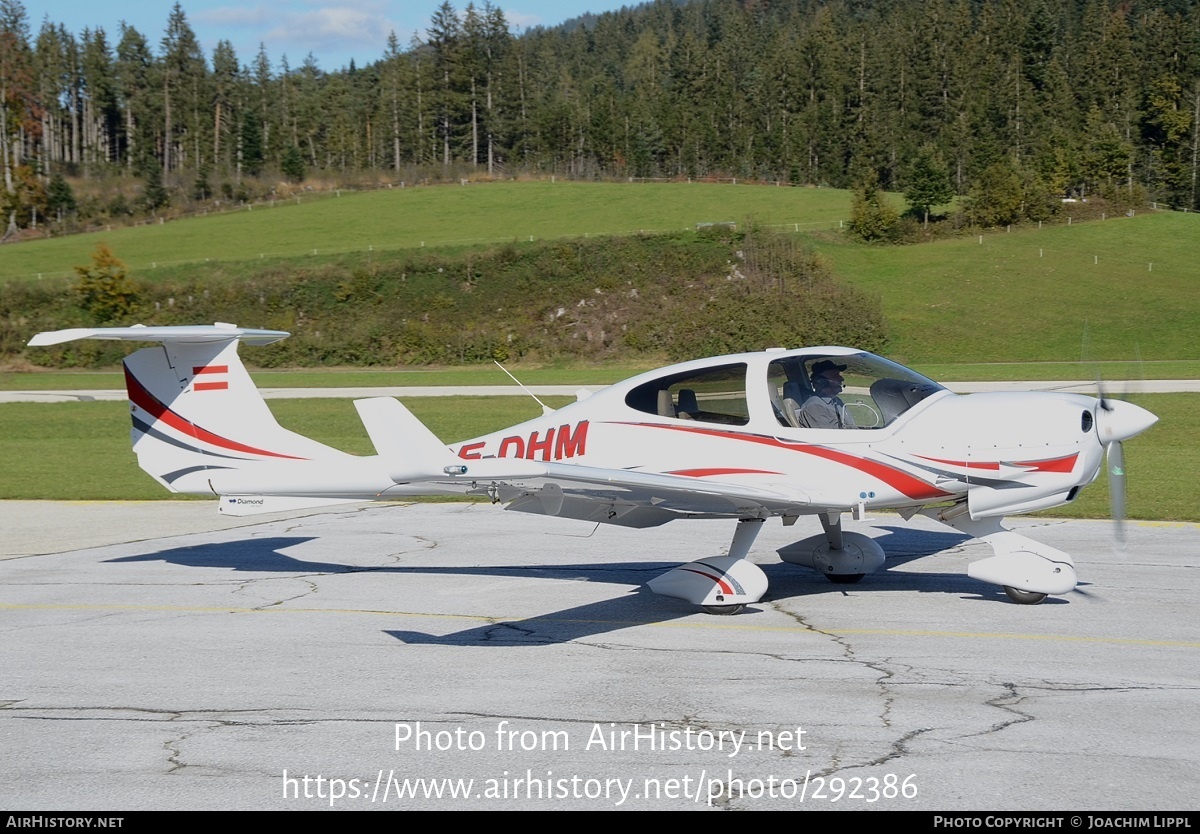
(724, 437)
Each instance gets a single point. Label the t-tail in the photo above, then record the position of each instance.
(200, 426)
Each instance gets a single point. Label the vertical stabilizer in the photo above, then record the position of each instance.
(196, 413)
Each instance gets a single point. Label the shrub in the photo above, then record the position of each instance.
(104, 290)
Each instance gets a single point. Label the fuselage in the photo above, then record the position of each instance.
(913, 442)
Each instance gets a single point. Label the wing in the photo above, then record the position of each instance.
(644, 499)
(413, 455)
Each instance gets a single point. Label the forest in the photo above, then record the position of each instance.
(1041, 99)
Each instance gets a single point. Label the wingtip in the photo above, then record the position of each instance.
(58, 337)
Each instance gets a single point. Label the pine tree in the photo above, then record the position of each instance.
(928, 184)
(226, 78)
(60, 199)
(871, 217)
(154, 195)
(445, 38)
(497, 49)
(292, 164)
(269, 99)
(103, 115)
(393, 69)
(201, 189)
(184, 78)
(997, 199)
(251, 145)
(1166, 132)
(135, 94)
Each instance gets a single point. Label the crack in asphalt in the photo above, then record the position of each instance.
(312, 589)
(175, 753)
(148, 714)
(847, 648)
(884, 683)
(1007, 702)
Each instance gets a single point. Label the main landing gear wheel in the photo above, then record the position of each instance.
(722, 610)
(844, 578)
(1023, 597)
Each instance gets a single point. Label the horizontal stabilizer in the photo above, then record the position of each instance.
(411, 452)
(219, 332)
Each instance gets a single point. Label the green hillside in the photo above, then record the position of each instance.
(1122, 289)
(409, 218)
(1110, 289)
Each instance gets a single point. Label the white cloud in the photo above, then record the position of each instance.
(322, 25)
(326, 30)
(234, 16)
(522, 20)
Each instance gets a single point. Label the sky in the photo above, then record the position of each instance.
(334, 31)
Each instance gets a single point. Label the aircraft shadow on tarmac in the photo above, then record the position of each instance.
(638, 607)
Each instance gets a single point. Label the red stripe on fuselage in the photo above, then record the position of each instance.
(908, 485)
(704, 473)
(210, 369)
(150, 404)
(210, 386)
(1063, 464)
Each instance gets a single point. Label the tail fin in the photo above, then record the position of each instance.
(196, 413)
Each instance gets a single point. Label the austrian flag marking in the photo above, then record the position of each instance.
(214, 378)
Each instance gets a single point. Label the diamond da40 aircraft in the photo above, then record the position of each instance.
(730, 437)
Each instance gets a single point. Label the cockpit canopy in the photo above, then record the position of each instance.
(876, 391)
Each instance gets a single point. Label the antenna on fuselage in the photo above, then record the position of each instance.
(545, 408)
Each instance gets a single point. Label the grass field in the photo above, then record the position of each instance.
(1114, 289)
(81, 450)
(378, 221)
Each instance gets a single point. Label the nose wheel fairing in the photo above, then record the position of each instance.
(1019, 562)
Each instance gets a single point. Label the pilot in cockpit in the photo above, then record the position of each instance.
(826, 410)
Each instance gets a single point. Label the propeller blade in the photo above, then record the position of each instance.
(1116, 488)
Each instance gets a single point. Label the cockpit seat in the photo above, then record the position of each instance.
(666, 408)
(794, 395)
(688, 405)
